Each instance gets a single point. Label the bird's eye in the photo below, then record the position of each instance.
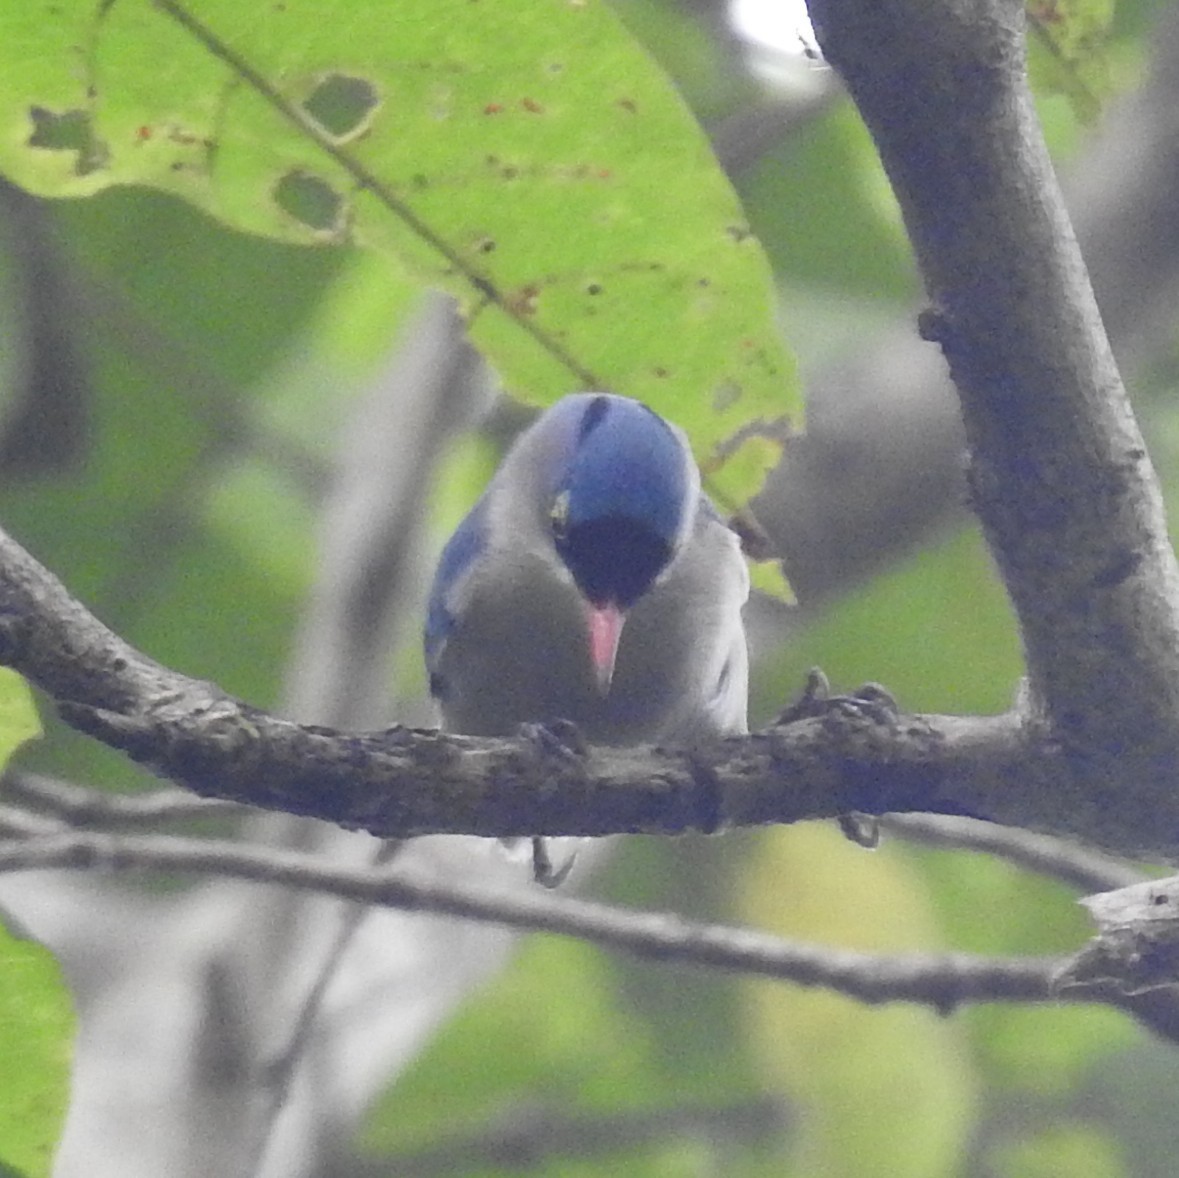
(559, 515)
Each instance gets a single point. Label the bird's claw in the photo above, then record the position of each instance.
(558, 738)
(861, 829)
(543, 871)
(816, 692)
(870, 701)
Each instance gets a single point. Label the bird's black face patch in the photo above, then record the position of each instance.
(614, 560)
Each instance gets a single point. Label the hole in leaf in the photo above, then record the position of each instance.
(71, 131)
(311, 201)
(342, 105)
(725, 396)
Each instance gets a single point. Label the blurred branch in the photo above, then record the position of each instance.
(745, 137)
(372, 520)
(1077, 867)
(18, 823)
(368, 582)
(529, 1135)
(882, 462)
(943, 981)
(81, 806)
(45, 427)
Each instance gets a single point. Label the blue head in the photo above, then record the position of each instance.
(622, 496)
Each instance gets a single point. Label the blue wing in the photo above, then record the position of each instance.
(462, 549)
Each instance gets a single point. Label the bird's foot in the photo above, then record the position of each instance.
(558, 738)
(861, 829)
(816, 693)
(543, 871)
(872, 702)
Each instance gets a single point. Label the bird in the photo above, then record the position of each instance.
(593, 583)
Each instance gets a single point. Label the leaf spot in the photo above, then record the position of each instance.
(342, 105)
(532, 106)
(629, 105)
(71, 131)
(523, 301)
(311, 201)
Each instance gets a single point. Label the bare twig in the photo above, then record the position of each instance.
(1078, 867)
(15, 822)
(80, 806)
(941, 980)
(528, 1135)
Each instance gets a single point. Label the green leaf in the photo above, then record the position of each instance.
(36, 1018)
(18, 714)
(1075, 37)
(768, 577)
(36, 1037)
(522, 156)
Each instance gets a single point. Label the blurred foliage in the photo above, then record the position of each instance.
(1074, 36)
(880, 1092)
(215, 369)
(36, 1012)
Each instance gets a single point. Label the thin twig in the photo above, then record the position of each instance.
(941, 980)
(81, 806)
(1078, 867)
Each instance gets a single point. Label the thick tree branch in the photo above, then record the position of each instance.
(823, 758)
(837, 755)
(1058, 472)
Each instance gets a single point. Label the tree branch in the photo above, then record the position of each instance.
(823, 758)
(81, 806)
(1076, 867)
(1058, 472)
(941, 980)
(837, 755)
